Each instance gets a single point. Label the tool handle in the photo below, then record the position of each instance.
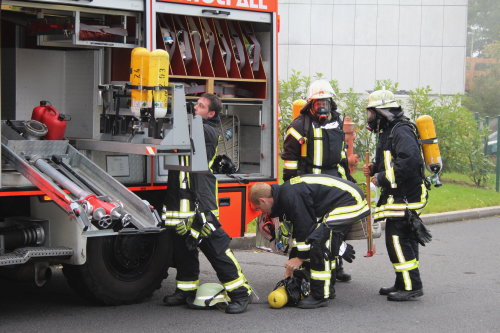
(369, 237)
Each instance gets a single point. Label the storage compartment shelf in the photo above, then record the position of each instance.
(60, 28)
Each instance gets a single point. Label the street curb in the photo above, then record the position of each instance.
(248, 242)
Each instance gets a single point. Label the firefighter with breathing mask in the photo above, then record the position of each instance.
(398, 171)
(315, 143)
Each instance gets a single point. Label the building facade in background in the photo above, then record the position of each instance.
(416, 43)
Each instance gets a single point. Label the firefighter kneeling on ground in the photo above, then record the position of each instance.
(315, 143)
(317, 211)
(398, 171)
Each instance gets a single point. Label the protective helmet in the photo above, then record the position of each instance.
(320, 89)
(385, 108)
(278, 298)
(320, 100)
(208, 295)
(382, 99)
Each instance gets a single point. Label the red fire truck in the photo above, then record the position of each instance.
(81, 174)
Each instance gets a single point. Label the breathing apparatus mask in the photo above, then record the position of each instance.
(322, 109)
(379, 118)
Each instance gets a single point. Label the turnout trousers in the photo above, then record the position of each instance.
(403, 253)
(216, 249)
(323, 267)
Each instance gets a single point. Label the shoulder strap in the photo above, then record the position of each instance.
(415, 132)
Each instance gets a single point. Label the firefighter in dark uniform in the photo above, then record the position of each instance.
(398, 171)
(314, 143)
(318, 210)
(184, 191)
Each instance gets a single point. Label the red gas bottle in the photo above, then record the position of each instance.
(39, 111)
(55, 122)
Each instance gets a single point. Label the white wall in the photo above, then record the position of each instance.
(356, 42)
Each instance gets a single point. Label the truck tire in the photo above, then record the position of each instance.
(121, 269)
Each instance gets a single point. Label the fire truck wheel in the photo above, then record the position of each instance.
(121, 269)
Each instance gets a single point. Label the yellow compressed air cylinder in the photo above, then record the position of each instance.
(277, 298)
(139, 67)
(427, 131)
(297, 105)
(159, 63)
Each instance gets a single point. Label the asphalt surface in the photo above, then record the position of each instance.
(459, 270)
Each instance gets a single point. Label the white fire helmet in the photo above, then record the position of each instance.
(382, 99)
(320, 89)
(208, 295)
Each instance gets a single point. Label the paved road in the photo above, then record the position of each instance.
(460, 271)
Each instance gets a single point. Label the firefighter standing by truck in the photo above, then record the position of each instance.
(398, 171)
(314, 143)
(317, 211)
(191, 207)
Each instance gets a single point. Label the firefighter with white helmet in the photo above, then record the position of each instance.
(398, 171)
(315, 144)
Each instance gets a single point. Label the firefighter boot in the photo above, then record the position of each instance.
(312, 303)
(387, 291)
(238, 304)
(179, 297)
(340, 275)
(332, 292)
(404, 295)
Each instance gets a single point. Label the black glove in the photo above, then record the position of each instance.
(347, 252)
(417, 228)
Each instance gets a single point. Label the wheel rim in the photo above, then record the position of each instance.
(128, 257)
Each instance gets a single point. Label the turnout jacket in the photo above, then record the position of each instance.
(399, 170)
(310, 147)
(307, 200)
(182, 186)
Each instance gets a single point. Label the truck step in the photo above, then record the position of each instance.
(22, 255)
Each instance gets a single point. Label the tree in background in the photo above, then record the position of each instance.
(483, 25)
(484, 96)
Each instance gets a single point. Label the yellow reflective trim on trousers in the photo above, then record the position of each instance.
(406, 266)
(333, 183)
(236, 283)
(397, 213)
(401, 258)
(241, 280)
(389, 170)
(318, 149)
(290, 164)
(391, 209)
(187, 285)
(321, 275)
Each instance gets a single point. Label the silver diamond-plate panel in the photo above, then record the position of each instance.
(22, 255)
(44, 148)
